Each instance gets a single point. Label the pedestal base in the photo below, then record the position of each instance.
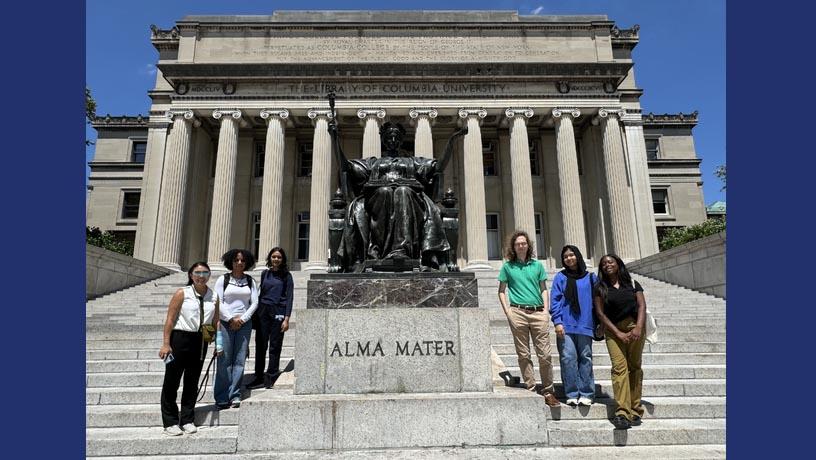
(280, 420)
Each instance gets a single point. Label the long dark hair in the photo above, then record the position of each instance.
(192, 268)
(284, 268)
(510, 252)
(624, 278)
(229, 257)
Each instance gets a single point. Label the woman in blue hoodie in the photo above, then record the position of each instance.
(571, 311)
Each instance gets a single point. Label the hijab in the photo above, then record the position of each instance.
(571, 292)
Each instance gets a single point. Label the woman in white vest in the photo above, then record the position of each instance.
(184, 348)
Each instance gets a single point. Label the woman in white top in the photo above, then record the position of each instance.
(184, 349)
(238, 296)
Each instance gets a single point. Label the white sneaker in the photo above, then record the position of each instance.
(172, 430)
(189, 428)
(584, 401)
(572, 402)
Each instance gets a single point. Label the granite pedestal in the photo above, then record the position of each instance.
(392, 360)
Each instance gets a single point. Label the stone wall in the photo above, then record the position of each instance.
(107, 271)
(698, 265)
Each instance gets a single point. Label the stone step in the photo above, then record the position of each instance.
(147, 415)
(600, 357)
(152, 441)
(675, 452)
(151, 395)
(502, 335)
(650, 372)
(652, 432)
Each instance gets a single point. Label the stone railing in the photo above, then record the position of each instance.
(698, 265)
(107, 271)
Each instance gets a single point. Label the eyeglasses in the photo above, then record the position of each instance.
(201, 273)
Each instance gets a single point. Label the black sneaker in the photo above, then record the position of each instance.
(621, 422)
(270, 379)
(636, 421)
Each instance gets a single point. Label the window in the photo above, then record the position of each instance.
(534, 158)
(652, 149)
(578, 146)
(489, 158)
(493, 242)
(660, 201)
(256, 233)
(303, 235)
(130, 204)
(539, 235)
(214, 163)
(138, 152)
(258, 164)
(305, 160)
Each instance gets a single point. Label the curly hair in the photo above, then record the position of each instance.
(510, 251)
(284, 268)
(229, 257)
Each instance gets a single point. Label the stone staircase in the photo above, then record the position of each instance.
(683, 390)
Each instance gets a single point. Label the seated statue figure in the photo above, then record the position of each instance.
(391, 214)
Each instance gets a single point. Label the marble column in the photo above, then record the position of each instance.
(224, 186)
(321, 192)
(523, 209)
(474, 196)
(372, 146)
(621, 218)
(272, 191)
(641, 185)
(423, 140)
(569, 182)
(171, 201)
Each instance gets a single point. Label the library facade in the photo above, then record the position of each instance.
(235, 150)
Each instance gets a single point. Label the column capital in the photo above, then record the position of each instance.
(315, 113)
(464, 113)
(558, 112)
(188, 115)
(604, 113)
(512, 112)
(235, 114)
(365, 113)
(417, 112)
(279, 113)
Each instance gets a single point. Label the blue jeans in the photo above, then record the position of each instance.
(575, 354)
(230, 370)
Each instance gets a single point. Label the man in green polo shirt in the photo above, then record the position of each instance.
(524, 278)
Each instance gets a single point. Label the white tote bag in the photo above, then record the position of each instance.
(651, 327)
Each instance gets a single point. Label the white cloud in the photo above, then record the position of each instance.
(537, 10)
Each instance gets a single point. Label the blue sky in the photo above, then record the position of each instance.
(679, 62)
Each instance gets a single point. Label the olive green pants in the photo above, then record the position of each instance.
(627, 376)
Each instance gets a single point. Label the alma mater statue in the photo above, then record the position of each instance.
(390, 215)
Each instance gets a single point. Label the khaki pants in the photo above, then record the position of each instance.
(536, 324)
(627, 376)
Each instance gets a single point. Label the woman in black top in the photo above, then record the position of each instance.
(274, 310)
(621, 307)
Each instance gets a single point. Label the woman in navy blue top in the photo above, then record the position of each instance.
(274, 310)
(571, 308)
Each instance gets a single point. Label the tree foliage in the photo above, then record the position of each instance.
(90, 109)
(720, 173)
(107, 240)
(682, 235)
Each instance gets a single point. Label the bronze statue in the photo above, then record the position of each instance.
(391, 220)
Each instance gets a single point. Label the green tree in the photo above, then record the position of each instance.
(107, 240)
(682, 235)
(90, 109)
(720, 173)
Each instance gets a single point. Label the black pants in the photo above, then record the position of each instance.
(269, 336)
(187, 351)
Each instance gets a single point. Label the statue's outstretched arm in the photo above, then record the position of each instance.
(446, 155)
